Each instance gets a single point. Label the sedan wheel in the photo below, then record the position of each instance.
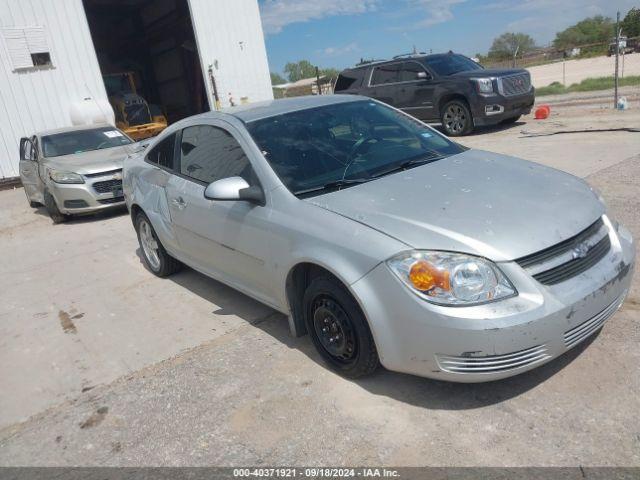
(338, 328)
(456, 119)
(154, 255)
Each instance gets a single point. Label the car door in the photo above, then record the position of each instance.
(225, 239)
(383, 83)
(29, 170)
(415, 90)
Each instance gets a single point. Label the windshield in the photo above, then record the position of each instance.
(80, 141)
(315, 150)
(445, 65)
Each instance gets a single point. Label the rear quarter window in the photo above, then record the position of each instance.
(350, 79)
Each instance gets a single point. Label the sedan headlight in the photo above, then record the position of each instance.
(485, 85)
(65, 177)
(453, 279)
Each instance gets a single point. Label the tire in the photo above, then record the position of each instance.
(456, 118)
(339, 329)
(34, 204)
(154, 256)
(509, 121)
(52, 209)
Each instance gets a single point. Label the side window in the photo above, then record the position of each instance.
(385, 74)
(163, 153)
(409, 72)
(209, 153)
(27, 150)
(349, 79)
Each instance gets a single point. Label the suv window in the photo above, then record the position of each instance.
(209, 153)
(385, 74)
(448, 64)
(163, 153)
(409, 72)
(350, 79)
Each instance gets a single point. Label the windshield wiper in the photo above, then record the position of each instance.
(408, 164)
(335, 185)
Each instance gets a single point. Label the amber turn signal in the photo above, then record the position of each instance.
(424, 276)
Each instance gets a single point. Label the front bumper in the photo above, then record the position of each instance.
(493, 109)
(495, 340)
(80, 198)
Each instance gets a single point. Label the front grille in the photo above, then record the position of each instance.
(577, 334)
(107, 201)
(108, 186)
(103, 174)
(493, 363)
(137, 114)
(576, 266)
(564, 269)
(75, 204)
(515, 84)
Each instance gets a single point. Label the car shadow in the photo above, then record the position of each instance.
(417, 391)
(87, 217)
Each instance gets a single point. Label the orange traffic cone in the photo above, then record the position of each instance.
(542, 112)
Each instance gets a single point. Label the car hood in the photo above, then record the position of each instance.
(488, 72)
(91, 162)
(476, 202)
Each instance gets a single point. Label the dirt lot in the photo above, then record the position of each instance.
(103, 364)
(578, 70)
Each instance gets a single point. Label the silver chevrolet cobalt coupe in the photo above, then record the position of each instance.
(383, 240)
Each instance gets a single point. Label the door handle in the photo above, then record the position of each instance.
(179, 203)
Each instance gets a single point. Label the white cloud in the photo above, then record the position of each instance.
(437, 11)
(276, 14)
(337, 51)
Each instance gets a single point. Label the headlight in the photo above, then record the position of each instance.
(446, 278)
(65, 177)
(485, 85)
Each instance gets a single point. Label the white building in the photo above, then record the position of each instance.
(54, 53)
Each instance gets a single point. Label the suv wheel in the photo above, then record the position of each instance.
(52, 209)
(154, 255)
(456, 118)
(339, 329)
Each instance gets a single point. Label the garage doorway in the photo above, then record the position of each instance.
(150, 44)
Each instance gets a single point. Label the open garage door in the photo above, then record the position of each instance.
(149, 61)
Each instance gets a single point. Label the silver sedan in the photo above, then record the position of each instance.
(382, 239)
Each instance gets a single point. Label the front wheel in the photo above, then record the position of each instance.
(456, 118)
(154, 255)
(52, 209)
(339, 329)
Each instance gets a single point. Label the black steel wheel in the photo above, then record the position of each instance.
(52, 209)
(339, 329)
(456, 118)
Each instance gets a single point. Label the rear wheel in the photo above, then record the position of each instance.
(52, 209)
(154, 255)
(456, 118)
(339, 329)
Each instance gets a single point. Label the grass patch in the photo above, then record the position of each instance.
(587, 85)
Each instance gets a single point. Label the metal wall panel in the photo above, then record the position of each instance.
(230, 40)
(40, 98)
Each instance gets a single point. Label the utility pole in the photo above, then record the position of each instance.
(318, 81)
(615, 100)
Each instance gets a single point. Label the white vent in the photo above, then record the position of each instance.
(27, 47)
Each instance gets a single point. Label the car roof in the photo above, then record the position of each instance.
(75, 128)
(271, 108)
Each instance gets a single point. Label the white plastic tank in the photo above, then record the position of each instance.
(91, 111)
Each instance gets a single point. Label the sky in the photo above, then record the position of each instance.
(337, 33)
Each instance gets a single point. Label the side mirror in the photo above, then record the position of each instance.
(424, 76)
(234, 189)
(26, 149)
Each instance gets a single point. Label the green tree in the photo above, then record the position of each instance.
(596, 29)
(509, 44)
(277, 79)
(329, 72)
(631, 23)
(298, 70)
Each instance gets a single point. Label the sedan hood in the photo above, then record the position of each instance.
(94, 161)
(476, 202)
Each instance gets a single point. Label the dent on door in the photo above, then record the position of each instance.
(149, 192)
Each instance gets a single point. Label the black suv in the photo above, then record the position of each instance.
(447, 88)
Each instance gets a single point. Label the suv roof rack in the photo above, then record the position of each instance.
(412, 54)
(370, 61)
